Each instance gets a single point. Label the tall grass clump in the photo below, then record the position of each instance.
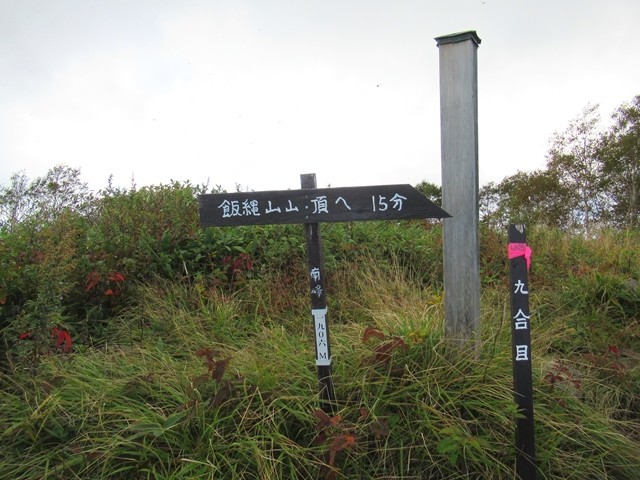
(137, 345)
(201, 388)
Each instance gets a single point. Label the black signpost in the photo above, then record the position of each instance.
(520, 257)
(317, 289)
(349, 204)
(311, 206)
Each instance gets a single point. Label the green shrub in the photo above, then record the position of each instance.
(192, 349)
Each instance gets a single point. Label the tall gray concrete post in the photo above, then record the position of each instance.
(459, 154)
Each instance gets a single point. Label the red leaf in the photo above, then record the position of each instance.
(372, 332)
(244, 261)
(205, 352)
(92, 280)
(68, 342)
(108, 292)
(116, 277)
(342, 441)
(397, 342)
(220, 367)
(24, 336)
(384, 350)
(221, 395)
(63, 339)
(324, 420)
(215, 367)
(339, 443)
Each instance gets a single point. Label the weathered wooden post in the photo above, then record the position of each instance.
(459, 156)
(317, 289)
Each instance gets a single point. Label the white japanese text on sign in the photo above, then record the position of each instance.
(320, 204)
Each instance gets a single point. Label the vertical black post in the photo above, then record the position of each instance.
(319, 301)
(519, 258)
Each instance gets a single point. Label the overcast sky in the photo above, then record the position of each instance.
(256, 92)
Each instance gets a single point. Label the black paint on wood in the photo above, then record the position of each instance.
(310, 206)
(317, 291)
(345, 204)
(521, 350)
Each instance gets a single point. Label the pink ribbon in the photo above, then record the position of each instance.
(518, 250)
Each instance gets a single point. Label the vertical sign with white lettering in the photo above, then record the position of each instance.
(520, 259)
(317, 290)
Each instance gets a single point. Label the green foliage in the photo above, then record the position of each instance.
(574, 157)
(430, 190)
(141, 230)
(591, 181)
(621, 164)
(414, 245)
(79, 268)
(200, 387)
(534, 198)
(139, 345)
(44, 198)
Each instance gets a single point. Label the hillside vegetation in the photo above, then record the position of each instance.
(137, 345)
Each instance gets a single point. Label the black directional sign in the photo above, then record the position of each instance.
(312, 206)
(348, 204)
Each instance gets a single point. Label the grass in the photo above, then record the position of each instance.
(196, 382)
